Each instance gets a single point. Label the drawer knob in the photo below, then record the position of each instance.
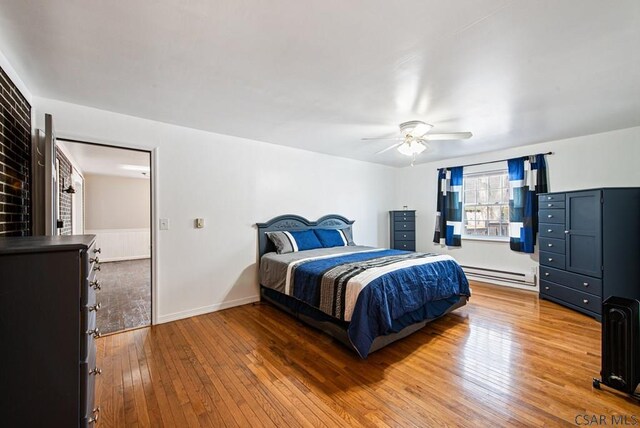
(549, 245)
(586, 284)
(97, 251)
(585, 300)
(95, 333)
(96, 267)
(546, 288)
(548, 198)
(95, 371)
(546, 274)
(566, 232)
(550, 215)
(404, 225)
(549, 230)
(404, 236)
(96, 285)
(550, 259)
(549, 205)
(95, 308)
(94, 260)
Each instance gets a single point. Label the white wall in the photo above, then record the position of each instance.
(233, 183)
(609, 159)
(116, 202)
(118, 212)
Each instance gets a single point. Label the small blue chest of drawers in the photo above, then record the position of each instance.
(403, 230)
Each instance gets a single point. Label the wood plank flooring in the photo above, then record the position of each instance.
(505, 359)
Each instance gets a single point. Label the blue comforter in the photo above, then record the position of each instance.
(390, 302)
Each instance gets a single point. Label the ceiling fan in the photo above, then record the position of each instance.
(414, 138)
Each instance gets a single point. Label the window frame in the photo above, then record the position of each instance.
(487, 171)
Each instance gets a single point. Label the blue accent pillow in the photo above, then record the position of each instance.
(332, 237)
(306, 240)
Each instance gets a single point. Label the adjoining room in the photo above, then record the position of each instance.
(114, 203)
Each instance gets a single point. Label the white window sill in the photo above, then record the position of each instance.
(485, 238)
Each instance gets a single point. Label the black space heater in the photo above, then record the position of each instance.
(620, 345)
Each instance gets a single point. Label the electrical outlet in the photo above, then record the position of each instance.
(164, 224)
(199, 223)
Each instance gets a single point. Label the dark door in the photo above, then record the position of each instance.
(584, 233)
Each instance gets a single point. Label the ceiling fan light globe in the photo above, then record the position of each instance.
(411, 148)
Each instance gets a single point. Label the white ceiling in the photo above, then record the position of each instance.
(101, 160)
(321, 75)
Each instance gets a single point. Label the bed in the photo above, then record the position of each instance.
(364, 297)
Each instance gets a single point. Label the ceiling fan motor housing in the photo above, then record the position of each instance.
(415, 128)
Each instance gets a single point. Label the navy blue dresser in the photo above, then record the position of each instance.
(48, 328)
(589, 245)
(403, 230)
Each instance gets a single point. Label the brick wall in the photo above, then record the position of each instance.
(64, 199)
(15, 160)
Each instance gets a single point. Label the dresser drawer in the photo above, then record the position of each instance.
(577, 298)
(556, 197)
(400, 226)
(88, 372)
(88, 291)
(552, 216)
(407, 215)
(405, 236)
(547, 205)
(94, 266)
(91, 410)
(91, 258)
(405, 245)
(551, 230)
(552, 245)
(88, 314)
(552, 259)
(87, 338)
(583, 283)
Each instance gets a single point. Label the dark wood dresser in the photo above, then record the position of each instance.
(403, 230)
(589, 244)
(47, 330)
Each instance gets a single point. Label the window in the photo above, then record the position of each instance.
(486, 205)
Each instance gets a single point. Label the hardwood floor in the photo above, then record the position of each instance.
(505, 359)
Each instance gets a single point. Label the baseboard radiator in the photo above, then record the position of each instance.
(494, 275)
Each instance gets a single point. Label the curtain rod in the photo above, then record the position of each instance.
(495, 161)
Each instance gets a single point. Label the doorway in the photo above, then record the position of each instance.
(106, 191)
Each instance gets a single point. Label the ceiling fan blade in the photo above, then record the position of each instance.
(389, 148)
(383, 138)
(449, 136)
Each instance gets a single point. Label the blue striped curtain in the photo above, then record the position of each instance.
(527, 178)
(449, 207)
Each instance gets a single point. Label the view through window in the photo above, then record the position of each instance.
(486, 204)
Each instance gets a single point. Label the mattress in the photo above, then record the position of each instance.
(375, 291)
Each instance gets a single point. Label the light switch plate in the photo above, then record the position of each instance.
(199, 223)
(164, 224)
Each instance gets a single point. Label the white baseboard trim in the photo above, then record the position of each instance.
(207, 309)
(121, 259)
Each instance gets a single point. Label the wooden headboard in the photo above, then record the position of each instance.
(292, 222)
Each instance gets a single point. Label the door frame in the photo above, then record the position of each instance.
(153, 163)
